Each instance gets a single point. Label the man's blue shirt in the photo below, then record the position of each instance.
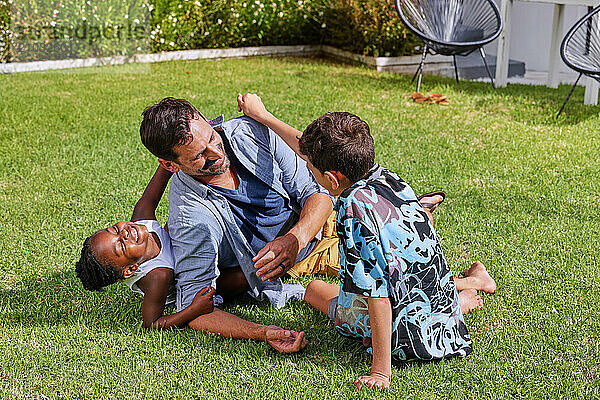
(203, 229)
(259, 211)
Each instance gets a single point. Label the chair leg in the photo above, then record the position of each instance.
(421, 68)
(455, 68)
(420, 65)
(487, 68)
(569, 95)
(416, 73)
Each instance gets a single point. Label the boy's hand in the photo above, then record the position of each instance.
(252, 106)
(285, 341)
(203, 301)
(377, 380)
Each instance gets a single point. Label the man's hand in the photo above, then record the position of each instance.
(252, 106)
(203, 301)
(277, 257)
(376, 380)
(284, 341)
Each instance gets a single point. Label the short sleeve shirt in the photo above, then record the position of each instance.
(388, 248)
(164, 259)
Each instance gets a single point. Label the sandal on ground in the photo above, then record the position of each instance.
(430, 206)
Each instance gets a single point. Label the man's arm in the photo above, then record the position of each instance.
(228, 325)
(380, 316)
(279, 255)
(155, 286)
(145, 208)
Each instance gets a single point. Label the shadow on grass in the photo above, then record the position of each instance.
(59, 299)
(533, 104)
(540, 104)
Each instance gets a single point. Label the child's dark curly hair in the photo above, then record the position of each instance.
(93, 275)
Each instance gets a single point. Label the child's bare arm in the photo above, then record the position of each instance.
(380, 316)
(146, 205)
(228, 325)
(253, 107)
(155, 286)
(202, 316)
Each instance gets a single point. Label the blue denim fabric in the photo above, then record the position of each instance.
(203, 231)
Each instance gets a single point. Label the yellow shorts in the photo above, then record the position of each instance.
(325, 257)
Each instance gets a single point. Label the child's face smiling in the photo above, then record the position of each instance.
(122, 245)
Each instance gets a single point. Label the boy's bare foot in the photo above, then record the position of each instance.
(479, 278)
(469, 299)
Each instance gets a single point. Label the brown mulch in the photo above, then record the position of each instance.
(436, 98)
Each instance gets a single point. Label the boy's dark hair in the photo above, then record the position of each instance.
(166, 125)
(93, 275)
(339, 141)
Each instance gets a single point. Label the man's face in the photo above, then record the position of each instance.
(205, 154)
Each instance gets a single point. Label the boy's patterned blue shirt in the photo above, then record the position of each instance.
(388, 248)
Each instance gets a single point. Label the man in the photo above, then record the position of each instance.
(240, 198)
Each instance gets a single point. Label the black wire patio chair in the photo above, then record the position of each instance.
(580, 49)
(451, 27)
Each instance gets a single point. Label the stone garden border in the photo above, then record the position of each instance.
(408, 64)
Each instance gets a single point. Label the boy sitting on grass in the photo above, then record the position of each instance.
(397, 293)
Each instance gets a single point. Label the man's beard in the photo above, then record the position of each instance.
(220, 170)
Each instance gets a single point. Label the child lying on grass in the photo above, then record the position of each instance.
(397, 293)
(140, 254)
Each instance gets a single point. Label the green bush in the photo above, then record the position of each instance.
(59, 29)
(4, 29)
(46, 29)
(369, 27)
(198, 24)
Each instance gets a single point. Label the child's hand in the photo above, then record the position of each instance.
(203, 301)
(252, 106)
(283, 340)
(377, 380)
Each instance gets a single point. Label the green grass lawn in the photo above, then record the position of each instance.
(522, 197)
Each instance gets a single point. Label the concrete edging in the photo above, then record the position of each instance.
(405, 64)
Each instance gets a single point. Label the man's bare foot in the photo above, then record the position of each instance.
(469, 299)
(479, 278)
